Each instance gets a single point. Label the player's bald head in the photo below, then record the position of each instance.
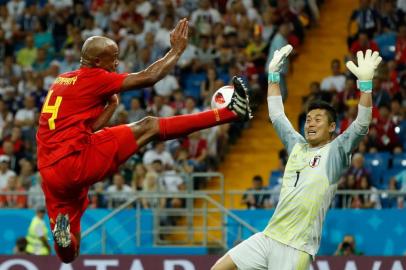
(96, 48)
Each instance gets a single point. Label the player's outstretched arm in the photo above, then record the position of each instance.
(275, 104)
(364, 71)
(159, 69)
(283, 127)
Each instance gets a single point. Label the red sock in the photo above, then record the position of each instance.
(68, 254)
(181, 125)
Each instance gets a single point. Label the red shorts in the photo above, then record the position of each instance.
(66, 183)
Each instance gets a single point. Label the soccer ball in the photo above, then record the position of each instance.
(222, 97)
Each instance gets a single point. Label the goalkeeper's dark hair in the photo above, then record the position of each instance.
(319, 104)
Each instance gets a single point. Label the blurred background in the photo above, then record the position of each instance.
(204, 193)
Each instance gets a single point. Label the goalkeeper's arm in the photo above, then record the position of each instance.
(275, 104)
(365, 70)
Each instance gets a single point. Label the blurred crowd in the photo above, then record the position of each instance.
(379, 162)
(40, 39)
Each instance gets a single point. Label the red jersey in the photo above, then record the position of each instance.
(74, 102)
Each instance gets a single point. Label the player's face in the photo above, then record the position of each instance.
(317, 128)
(109, 61)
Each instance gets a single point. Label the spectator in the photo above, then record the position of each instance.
(52, 74)
(21, 245)
(16, 8)
(209, 86)
(391, 17)
(98, 199)
(152, 23)
(91, 29)
(16, 139)
(162, 35)
(206, 53)
(380, 96)
(10, 71)
(136, 112)
(150, 184)
(349, 116)
(27, 55)
(158, 153)
(6, 119)
(159, 108)
(336, 82)
(43, 38)
(5, 172)
(26, 176)
(363, 43)
(155, 50)
(36, 198)
(385, 130)
(8, 151)
(169, 182)
(37, 237)
(203, 17)
(41, 64)
(183, 164)
(69, 63)
(138, 177)
(13, 200)
(26, 117)
(366, 18)
(256, 201)
(118, 193)
(369, 200)
(190, 106)
(347, 247)
(197, 148)
(358, 171)
(166, 86)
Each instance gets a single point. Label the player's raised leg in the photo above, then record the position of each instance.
(167, 128)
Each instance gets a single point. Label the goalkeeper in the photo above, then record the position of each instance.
(315, 164)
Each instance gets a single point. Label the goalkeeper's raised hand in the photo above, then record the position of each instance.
(278, 57)
(365, 70)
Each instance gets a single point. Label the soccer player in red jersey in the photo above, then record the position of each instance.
(74, 152)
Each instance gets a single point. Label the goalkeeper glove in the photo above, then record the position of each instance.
(365, 70)
(276, 63)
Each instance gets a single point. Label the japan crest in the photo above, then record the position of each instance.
(315, 161)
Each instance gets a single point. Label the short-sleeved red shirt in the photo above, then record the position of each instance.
(74, 102)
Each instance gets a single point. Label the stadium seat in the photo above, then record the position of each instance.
(399, 161)
(274, 178)
(386, 42)
(387, 175)
(380, 159)
(376, 164)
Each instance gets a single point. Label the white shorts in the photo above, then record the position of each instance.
(260, 252)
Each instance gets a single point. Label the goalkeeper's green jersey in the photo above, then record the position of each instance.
(309, 184)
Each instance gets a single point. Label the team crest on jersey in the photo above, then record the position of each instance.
(315, 161)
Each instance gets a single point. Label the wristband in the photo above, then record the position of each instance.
(365, 86)
(273, 77)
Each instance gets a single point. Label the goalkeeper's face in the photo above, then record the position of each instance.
(318, 128)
